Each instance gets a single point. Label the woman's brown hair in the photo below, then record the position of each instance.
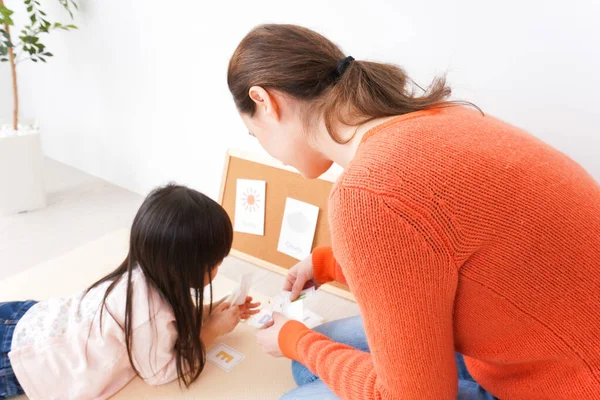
(177, 238)
(305, 65)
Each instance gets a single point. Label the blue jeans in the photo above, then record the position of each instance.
(350, 331)
(10, 314)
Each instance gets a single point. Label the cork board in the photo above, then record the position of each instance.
(281, 182)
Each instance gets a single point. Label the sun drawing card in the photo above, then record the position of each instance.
(250, 207)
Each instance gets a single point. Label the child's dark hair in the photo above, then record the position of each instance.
(177, 238)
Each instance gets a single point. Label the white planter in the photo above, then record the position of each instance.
(21, 174)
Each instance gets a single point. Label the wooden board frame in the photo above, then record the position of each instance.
(270, 162)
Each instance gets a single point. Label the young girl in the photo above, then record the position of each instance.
(141, 319)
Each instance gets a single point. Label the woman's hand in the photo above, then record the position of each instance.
(249, 308)
(268, 337)
(223, 319)
(301, 276)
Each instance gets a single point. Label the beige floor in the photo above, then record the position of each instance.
(82, 208)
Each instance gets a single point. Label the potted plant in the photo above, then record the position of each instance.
(21, 173)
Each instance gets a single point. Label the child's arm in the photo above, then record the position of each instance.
(153, 349)
(221, 321)
(207, 308)
(225, 318)
(208, 334)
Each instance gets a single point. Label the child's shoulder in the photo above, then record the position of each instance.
(147, 301)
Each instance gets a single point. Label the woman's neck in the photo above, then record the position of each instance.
(343, 154)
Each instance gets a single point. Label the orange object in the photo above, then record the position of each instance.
(459, 232)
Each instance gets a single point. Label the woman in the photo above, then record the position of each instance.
(456, 232)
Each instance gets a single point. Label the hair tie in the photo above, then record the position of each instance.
(343, 64)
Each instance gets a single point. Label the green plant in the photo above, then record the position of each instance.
(29, 46)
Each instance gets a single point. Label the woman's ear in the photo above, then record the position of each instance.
(265, 102)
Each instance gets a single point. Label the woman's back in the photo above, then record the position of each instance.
(517, 219)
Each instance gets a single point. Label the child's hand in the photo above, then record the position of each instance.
(223, 319)
(248, 309)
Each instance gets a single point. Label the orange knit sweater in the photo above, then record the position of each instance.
(459, 232)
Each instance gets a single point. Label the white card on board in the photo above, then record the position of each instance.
(225, 357)
(250, 207)
(298, 228)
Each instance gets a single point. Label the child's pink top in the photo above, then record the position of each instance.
(59, 352)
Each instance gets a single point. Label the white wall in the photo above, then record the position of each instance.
(138, 95)
(5, 103)
(5, 95)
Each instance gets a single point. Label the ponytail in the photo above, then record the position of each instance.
(307, 66)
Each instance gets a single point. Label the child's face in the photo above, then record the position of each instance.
(210, 277)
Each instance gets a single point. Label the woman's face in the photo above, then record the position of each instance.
(277, 126)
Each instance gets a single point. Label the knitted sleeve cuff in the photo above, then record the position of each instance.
(289, 336)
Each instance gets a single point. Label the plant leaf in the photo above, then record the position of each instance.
(42, 58)
(5, 11)
(5, 14)
(48, 54)
(33, 18)
(45, 27)
(34, 60)
(3, 59)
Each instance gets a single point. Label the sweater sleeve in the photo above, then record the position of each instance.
(325, 266)
(404, 283)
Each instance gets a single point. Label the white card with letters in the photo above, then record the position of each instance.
(290, 309)
(298, 228)
(259, 320)
(239, 295)
(250, 206)
(311, 319)
(225, 357)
